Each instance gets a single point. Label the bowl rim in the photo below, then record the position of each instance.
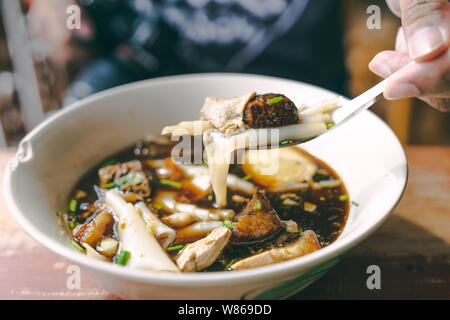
(284, 269)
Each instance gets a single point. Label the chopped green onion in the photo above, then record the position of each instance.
(230, 264)
(257, 205)
(170, 183)
(355, 203)
(157, 206)
(343, 197)
(122, 258)
(275, 100)
(282, 143)
(329, 125)
(228, 224)
(77, 246)
(247, 177)
(109, 185)
(184, 248)
(121, 182)
(320, 175)
(132, 178)
(174, 248)
(73, 205)
(300, 231)
(71, 225)
(58, 214)
(204, 163)
(109, 163)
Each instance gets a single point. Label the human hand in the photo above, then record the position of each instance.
(424, 38)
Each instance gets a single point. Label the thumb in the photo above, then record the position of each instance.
(426, 25)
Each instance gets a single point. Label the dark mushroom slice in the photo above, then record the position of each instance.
(257, 222)
(270, 110)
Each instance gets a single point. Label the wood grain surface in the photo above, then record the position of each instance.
(412, 248)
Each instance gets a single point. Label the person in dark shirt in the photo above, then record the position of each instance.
(141, 39)
(295, 39)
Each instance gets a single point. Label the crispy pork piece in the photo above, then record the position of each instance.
(307, 243)
(128, 176)
(93, 231)
(270, 110)
(202, 253)
(257, 222)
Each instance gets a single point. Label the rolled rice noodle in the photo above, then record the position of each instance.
(199, 229)
(162, 232)
(322, 107)
(322, 117)
(185, 213)
(179, 219)
(90, 252)
(202, 180)
(145, 251)
(191, 128)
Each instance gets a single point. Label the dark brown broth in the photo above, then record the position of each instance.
(327, 221)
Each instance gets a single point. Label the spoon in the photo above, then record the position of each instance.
(289, 135)
(348, 110)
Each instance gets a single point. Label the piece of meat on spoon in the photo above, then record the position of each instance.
(270, 110)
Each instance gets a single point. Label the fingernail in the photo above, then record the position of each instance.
(380, 68)
(425, 42)
(400, 91)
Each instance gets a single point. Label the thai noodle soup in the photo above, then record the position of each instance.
(141, 209)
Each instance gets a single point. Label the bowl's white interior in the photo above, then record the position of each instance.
(53, 157)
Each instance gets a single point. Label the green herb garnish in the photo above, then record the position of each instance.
(109, 163)
(230, 264)
(285, 142)
(184, 248)
(257, 205)
(58, 214)
(174, 248)
(170, 183)
(275, 100)
(132, 178)
(355, 203)
(71, 225)
(109, 185)
(319, 176)
(329, 125)
(122, 258)
(286, 207)
(73, 205)
(247, 177)
(228, 224)
(157, 206)
(343, 197)
(77, 246)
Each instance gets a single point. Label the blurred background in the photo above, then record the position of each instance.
(44, 65)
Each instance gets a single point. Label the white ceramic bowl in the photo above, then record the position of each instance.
(53, 157)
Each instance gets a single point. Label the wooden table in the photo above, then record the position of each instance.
(412, 248)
